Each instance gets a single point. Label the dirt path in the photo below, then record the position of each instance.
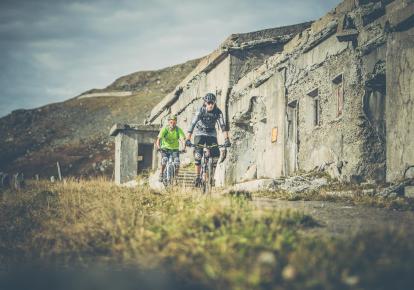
(343, 219)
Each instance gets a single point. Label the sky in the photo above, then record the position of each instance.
(52, 50)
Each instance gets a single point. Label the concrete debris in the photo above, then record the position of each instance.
(396, 189)
(409, 172)
(409, 191)
(255, 185)
(298, 184)
(251, 173)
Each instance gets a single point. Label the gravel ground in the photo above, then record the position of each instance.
(338, 219)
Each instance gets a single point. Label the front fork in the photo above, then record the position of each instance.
(170, 170)
(207, 174)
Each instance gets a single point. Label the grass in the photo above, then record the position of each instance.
(222, 243)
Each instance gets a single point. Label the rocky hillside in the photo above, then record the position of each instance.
(75, 132)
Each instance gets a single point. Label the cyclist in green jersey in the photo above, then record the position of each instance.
(168, 141)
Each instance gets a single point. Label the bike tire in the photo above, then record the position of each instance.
(210, 177)
(165, 177)
(171, 174)
(202, 173)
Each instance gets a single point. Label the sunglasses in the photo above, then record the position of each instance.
(210, 103)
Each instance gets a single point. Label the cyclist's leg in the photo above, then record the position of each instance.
(214, 153)
(164, 160)
(198, 154)
(176, 158)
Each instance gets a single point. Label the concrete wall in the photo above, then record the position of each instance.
(351, 145)
(243, 61)
(400, 103)
(333, 142)
(253, 115)
(126, 149)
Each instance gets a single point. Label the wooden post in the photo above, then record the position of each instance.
(59, 173)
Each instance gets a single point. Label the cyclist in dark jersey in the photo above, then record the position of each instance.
(204, 127)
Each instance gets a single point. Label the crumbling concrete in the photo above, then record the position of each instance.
(399, 113)
(298, 184)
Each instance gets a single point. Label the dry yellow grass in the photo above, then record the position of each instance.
(223, 243)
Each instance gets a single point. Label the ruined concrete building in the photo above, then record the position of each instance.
(335, 94)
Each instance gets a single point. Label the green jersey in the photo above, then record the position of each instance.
(169, 138)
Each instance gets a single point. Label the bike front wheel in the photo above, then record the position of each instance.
(209, 181)
(169, 175)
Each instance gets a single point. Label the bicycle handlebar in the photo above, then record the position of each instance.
(166, 150)
(208, 146)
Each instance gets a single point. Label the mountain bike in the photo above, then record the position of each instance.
(206, 172)
(168, 176)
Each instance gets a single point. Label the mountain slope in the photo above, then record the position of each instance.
(75, 132)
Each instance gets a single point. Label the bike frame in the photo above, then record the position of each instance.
(207, 166)
(170, 169)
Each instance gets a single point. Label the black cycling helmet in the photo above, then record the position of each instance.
(210, 97)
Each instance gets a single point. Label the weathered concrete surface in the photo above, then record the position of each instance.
(400, 103)
(126, 148)
(334, 138)
(252, 116)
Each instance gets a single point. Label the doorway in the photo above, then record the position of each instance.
(145, 157)
(291, 145)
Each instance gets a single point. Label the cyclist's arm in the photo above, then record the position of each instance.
(181, 138)
(193, 124)
(223, 126)
(226, 134)
(182, 141)
(158, 142)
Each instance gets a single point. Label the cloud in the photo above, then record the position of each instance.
(48, 61)
(56, 49)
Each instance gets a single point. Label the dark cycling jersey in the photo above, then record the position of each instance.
(204, 122)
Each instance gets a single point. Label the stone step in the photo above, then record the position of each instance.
(186, 184)
(186, 181)
(186, 175)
